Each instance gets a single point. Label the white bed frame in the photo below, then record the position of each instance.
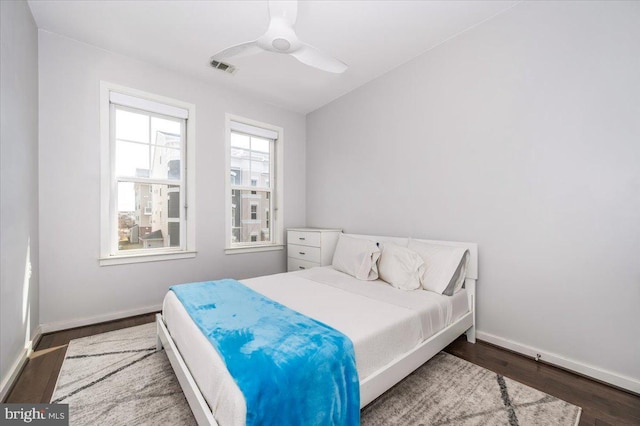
(374, 385)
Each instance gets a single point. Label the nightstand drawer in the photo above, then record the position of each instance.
(304, 238)
(309, 247)
(312, 254)
(299, 265)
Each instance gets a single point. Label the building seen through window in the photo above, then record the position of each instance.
(148, 153)
(251, 167)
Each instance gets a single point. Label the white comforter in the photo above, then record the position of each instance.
(382, 322)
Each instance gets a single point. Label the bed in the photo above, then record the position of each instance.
(393, 331)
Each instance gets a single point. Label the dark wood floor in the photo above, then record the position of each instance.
(601, 404)
(38, 378)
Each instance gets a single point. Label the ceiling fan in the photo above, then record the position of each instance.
(281, 38)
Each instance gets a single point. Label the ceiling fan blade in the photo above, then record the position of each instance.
(287, 10)
(238, 51)
(311, 56)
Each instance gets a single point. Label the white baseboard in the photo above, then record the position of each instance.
(16, 368)
(64, 325)
(597, 373)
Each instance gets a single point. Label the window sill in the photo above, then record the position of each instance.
(254, 249)
(140, 258)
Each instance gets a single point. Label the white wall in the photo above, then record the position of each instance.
(73, 286)
(522, 134)
(19, 184)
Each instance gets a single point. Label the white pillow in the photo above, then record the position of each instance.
(400, 267)
(357, 257)
(445, 266)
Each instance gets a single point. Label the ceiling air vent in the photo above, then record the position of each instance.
(228, 68)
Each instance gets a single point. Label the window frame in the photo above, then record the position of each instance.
(276, 180)
(109, 253)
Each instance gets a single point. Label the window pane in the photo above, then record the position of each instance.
(250, 216)
(249, 165)
(240, 163)
(174, 233)
(173, 202)
(259, 144)
(132, 126)
(158, 158)
(239, 140)
(132, 159)
(126, 197)
(236, 177)
(165, 163)
(165, 126)
(148, 216)
(166, 149)
(260, 168)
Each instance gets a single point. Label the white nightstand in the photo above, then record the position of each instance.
(309, 247)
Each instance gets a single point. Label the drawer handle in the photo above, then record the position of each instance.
(302, 253)
(301, 267)
(301, 238)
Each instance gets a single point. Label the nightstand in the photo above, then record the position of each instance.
(309, 247)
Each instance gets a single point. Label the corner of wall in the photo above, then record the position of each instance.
(20, 313)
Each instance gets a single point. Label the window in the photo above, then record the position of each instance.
(147, 142)
(254, 164)
(236, 177)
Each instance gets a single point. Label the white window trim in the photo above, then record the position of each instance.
(107, 201)
(277, 216)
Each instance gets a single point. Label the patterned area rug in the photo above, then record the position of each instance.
(118, 378)
(450, 391)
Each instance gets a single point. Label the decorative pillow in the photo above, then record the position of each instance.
(400, 267)
(357, 257)
(445, 266)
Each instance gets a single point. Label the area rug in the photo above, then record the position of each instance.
(118, 378)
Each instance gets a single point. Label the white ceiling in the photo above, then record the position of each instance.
(372, 37)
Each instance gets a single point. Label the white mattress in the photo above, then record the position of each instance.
(382, 322)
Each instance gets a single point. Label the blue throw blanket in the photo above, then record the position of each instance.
(292, 370)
